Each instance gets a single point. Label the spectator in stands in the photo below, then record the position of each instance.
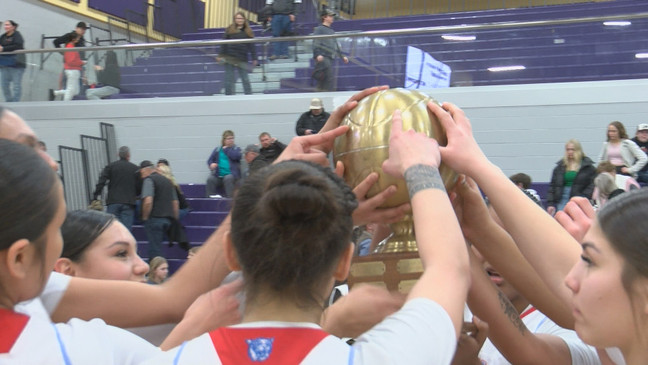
(255, 160)
(72, 65)
(324, 52)
(225, 166)
(97, 246)
(163, 161)
(605, 189)
(183, 205)
(159, 207)
(621, 151)
(123, 187)
(290, 255)
(63, 40)
(641, 139)
(12, 67)
(79, 31)
(313, 120)
(282, 17)
(573, 176)
(109, 79)
(624, 182)
(523, 181)
(235, 56)
(271, 148)
(159, 270)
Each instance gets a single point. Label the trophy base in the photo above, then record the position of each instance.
(395, 271)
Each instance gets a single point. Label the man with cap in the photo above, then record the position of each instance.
(123, 185)
(313, 120)
(641, 139)
(254, 159)
(324, 51)
(67, 37)
(159, 206)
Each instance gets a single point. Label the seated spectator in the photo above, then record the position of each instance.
(572, 176)
(159, 270)
(255, 160)
(606, 189)
(313, 120)
(621, 151)
(271, 148)
(225, 166)
(109, 79)
(183, 205)
(97, 246)
(523, 181)
(641, 139)
(624, 182)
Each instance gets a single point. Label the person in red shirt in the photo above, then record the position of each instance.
(72, 66)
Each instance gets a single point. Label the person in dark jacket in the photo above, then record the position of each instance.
(123, 185)
(324, 52)
(282, 17)
(313, 120)
(80, 30)
(573, 176)
(160, 208)
(12, 67)
(109, 79)
(225, 165)
(271, 148)
(235, 56)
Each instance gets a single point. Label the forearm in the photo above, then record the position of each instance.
(147, 205)
(545, 244)
(108, 299)
(506, 330)
(499, 249)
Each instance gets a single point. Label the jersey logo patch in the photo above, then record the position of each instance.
(259, 349)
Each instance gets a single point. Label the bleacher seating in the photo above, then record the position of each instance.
(200, 223)
(559, 53)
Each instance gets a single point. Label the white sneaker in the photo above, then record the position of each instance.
(215, 196)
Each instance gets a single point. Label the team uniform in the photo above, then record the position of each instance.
(29, 337)
(537, 322)
(420, 333)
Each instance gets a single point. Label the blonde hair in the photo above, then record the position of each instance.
(155, 263)
(166, 172)
(233, 29)
(578, 152)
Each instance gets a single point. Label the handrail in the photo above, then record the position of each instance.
(395, 32)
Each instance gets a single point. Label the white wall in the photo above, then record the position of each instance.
(522, 128)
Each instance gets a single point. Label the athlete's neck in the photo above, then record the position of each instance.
(267, 308)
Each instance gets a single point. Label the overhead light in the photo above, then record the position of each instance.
(617, 23)
(506, 68)
(450, 37)
(641, 55)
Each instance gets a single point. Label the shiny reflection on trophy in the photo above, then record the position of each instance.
(362, 150)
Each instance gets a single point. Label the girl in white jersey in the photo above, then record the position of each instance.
(607, 287)
(31, 213)
(291, 237)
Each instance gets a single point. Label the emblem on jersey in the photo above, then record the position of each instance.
(259, 349)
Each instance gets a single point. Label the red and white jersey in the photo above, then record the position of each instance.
(33, 340)
(420, 333)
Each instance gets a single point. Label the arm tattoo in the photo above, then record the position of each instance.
(510, 312)
(422, 177)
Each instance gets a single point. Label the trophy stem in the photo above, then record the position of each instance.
(402, 239)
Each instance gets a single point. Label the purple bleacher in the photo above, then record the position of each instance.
(178, 17)
(131, 10)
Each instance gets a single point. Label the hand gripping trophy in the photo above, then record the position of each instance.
(362, 150)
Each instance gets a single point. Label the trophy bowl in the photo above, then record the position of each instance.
(366, 145)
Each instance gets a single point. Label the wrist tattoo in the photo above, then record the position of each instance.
(422, 177)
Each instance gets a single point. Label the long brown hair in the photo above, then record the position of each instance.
(232, 29)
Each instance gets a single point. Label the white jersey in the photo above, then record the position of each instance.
(420, 333)
(44, 305)
(34, 340)
(536, 322)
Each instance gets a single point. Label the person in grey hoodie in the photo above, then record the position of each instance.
(324, 51)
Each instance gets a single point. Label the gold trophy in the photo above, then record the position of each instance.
(362, 150)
